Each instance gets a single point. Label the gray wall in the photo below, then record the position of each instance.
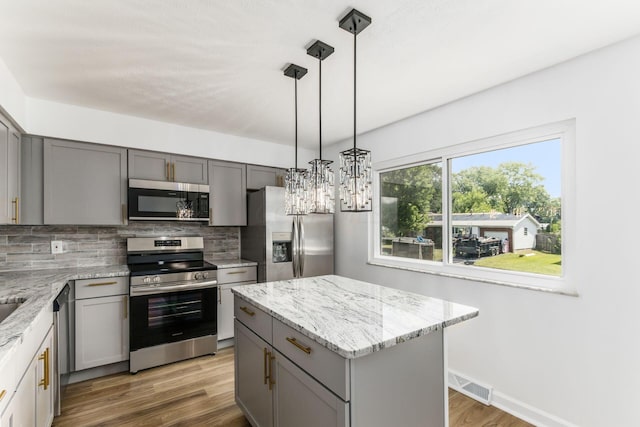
(25, 247)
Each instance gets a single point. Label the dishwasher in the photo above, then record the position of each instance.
(62, 339)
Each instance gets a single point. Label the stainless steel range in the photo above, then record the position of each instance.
(173, 301)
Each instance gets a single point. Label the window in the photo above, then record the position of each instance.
(489, 209)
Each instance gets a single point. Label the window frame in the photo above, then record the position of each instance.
(564, 284)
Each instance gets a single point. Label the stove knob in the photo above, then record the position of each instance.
(146, 280)
(197, 276)
(156, 279)
(205, 274)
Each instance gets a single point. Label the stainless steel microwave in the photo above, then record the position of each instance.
(170, 201)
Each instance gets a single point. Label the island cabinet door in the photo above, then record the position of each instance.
(299, 400)
(253, 386)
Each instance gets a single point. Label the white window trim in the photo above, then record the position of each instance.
(565, 284)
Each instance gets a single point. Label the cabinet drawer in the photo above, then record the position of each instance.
(327, 367)
(253, 318)
(237, 274)
(102, 287)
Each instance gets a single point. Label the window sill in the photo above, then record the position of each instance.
(420, 268)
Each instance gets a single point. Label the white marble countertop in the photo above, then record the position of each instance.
(231, 262)
(350, 317)
(37, 289)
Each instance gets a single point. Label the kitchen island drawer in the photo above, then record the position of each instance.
(237, 274)
(327, 367)
(102, 287)
(253, 318)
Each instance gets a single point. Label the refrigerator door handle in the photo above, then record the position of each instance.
(294, 245)
(301, 246)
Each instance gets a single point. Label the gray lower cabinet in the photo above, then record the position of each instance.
(261, 176)
(271, 390)
(102, 321)
(9, 173)
(84, 183)
(299, 400)
(228, 278)
(253, 390)
(167, 167)
(228, 193)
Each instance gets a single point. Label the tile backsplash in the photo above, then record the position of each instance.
(27, 247)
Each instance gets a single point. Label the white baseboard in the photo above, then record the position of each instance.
(526, 412)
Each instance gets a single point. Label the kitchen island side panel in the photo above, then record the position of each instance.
(401, 385)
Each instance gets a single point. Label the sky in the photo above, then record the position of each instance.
(545, 156)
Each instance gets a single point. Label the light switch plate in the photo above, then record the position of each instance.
(56, 247)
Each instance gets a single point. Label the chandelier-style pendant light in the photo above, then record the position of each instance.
(320, 176)
(355, 163)
(295, 180)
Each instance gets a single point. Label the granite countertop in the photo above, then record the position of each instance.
(350, 317)
(231, 262)
(37, 289)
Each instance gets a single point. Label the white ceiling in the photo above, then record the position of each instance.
(217, 64)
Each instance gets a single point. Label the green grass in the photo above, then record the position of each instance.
(539, 263)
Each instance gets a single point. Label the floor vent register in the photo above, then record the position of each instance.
(480, 392)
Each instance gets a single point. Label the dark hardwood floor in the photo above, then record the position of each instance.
(199, 392)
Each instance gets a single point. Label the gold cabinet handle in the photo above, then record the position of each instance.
(173, 171)
(271, 380)
(168, 171)
(249, 312)
(300, 346)
(264, 369)
(125, 301)
(237, 272)
(102, 284)
(45, 358)
(16, 211)
(2, 394)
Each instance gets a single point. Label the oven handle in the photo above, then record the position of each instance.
(149, 290)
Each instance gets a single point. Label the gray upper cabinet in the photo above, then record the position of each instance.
(9, 173)
(31, 180)
(167, 167)
(261, 176)
(84, 183)
(149, 165)
(228, 197)
(189, 169)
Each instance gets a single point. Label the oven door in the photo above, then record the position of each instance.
(167, 200)
(175, 316)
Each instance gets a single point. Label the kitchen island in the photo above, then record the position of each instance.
(333, 351)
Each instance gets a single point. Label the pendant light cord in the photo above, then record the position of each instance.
(320, 107)
(354, 93)
(295, 80)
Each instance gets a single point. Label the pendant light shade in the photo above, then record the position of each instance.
(321, 191)
(355, 163)
(295, 180)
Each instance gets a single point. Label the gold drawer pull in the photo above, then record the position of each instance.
(2, 393)
(265, 358)
(102, 283)
(249, 312)
(300, 346)
(271, 380)
(16, 211)
(237, 272)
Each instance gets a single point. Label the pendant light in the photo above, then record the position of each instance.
(295, 180)
(355, 163)
(321, 192)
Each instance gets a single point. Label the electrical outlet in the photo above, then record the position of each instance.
(56, 247)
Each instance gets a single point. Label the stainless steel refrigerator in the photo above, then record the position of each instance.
(285, 246)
